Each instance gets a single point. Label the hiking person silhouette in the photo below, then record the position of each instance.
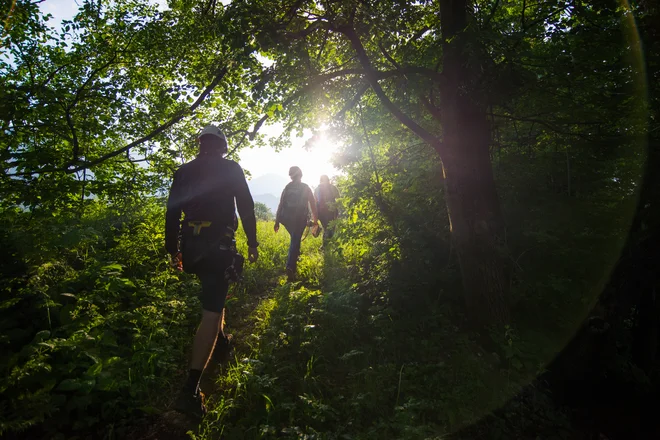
(326, 195)
(205, 190)
(293, 212)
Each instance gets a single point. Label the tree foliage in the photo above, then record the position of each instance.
(262, 212)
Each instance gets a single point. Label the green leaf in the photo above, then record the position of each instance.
(41, 336)
(112, 267)
(87, 386)
(93, 357)
(149, 409)
(69, 385)
(127, 282)
(106, 382)
(109, 339)
(95, 369)
(8, 303)
(269, 403)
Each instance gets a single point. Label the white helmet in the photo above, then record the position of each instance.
(213, 130)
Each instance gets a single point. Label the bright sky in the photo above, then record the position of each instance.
(258, 161)
(313, 163)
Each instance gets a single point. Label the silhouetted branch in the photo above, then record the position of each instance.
(161, 128)
(373, 78)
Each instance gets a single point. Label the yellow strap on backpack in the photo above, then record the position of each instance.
(198, 225)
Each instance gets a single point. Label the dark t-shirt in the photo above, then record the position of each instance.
(205, 189)
(326, 195)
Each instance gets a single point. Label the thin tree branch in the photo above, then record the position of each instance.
(418, 34)
(314, 26)
(78, 96)
(435, 112)
(219, 76)
(384, 74)
(372, 76)
(96, 71)
(74, 136)
(161, 128)
(541, 20)
(493, 10)
(322, 78)
(388, 56)
(371, 152)
(353, 102)
(52, 75)
(325, 41)
(89, 79)
(427, 104)
(239, 144)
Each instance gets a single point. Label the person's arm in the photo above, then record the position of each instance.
(312, 204)
(245, 206)
(278, 214)
(173, 216)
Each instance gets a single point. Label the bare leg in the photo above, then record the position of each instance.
(191, 399)
(205, 338)
(222, 323)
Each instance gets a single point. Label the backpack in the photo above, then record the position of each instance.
(294, 206)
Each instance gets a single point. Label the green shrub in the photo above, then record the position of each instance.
(96, 327)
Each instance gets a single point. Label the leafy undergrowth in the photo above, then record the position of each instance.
(315, 360)
(97, 330)
(94, 324)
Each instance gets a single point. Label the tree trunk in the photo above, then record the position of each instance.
(474, 212)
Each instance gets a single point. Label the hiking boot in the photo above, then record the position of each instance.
(223, 349)
(191, 404)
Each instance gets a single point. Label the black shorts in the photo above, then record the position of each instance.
(214, 289)
(212, 275)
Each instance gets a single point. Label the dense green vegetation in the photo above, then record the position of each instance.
(493, 274)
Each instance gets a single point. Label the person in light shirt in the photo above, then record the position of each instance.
(296, 202)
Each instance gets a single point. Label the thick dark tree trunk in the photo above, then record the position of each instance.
(474, 211)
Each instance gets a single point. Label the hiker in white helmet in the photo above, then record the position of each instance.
(207, 190)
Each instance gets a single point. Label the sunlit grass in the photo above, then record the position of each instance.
(315, 364)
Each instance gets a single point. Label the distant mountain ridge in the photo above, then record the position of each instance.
(268, 184)
(267, 189)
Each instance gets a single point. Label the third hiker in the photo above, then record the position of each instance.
(326, 198)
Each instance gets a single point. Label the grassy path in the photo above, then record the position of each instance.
(244, 302)
(314, 360)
